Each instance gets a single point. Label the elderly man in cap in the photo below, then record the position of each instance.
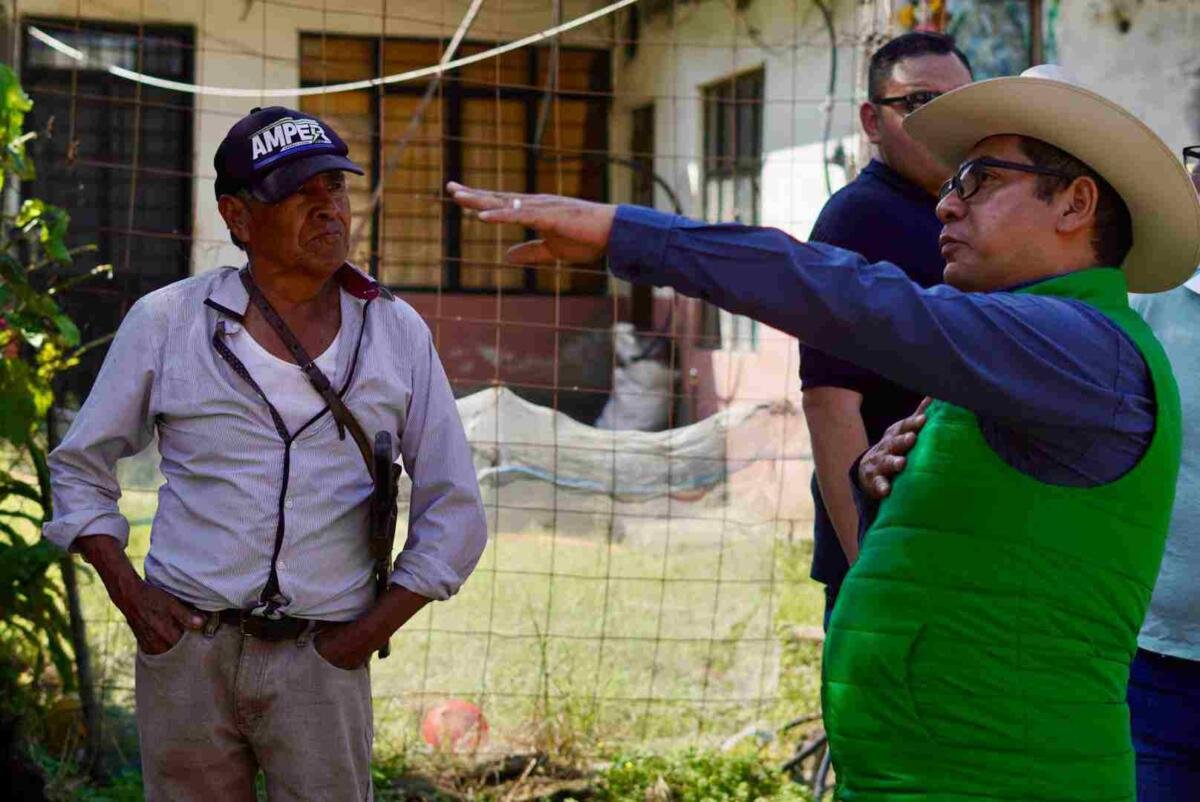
(260, 608)
(982, 642)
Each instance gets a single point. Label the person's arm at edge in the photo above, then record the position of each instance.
(115, 421)
(838, 437)
(832, 389)
(1018, 359)
(865, 505)
(447, 526)
(872, 473)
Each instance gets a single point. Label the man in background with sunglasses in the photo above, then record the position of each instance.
(887, 215)
(981, 644)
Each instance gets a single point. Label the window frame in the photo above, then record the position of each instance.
(718, 328)
(451, 94)
(30, 74)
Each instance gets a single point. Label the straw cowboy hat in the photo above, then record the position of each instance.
(1045, 104)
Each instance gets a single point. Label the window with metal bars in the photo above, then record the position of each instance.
(117, 156)
(733, 137)
(487, 126)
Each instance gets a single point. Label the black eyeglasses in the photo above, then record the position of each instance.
(911, 102)
(971, 175)
(1191, 158)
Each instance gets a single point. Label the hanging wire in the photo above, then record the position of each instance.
(350, 86)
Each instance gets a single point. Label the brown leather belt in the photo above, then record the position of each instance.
(270, 629)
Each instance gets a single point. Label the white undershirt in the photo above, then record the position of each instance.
(285, 385)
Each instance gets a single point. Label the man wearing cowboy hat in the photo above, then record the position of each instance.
(1164, 679)
(981, 644)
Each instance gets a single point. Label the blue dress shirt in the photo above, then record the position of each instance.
(1172, 625)
(1061, 393)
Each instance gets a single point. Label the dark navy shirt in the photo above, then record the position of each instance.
(886, 218)
(1061, 393)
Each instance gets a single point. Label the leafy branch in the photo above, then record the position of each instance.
(38, 342)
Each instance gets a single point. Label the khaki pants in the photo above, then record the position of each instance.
(213, 710)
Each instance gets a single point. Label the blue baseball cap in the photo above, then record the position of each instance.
(272, 151)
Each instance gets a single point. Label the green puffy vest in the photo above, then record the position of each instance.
(980, 646)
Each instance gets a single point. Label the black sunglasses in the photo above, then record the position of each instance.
(971, 174)
(911, 102)
(1191, 158)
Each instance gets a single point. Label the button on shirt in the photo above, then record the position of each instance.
(886, 218)
(236, 490)
(1061, 392)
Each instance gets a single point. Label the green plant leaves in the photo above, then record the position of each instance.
(37, 342)
(697, 776)
(18, 401)
(67, 328)
(48, 226)
(30, 212)
(14, 104)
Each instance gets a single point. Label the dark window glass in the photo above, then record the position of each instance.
(733, 140)
(117, 155)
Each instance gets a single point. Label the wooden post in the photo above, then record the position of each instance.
(93, 715)
(1037, 51)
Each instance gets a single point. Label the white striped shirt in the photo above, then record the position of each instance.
(240, 500)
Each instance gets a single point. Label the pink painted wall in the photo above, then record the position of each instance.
(532, 343)
(712, 379)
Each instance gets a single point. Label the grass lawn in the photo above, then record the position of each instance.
(579, 645)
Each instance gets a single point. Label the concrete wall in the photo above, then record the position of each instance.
(675, 59)
(1143, 55)
(708, 42)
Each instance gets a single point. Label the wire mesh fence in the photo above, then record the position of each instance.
(640, 587)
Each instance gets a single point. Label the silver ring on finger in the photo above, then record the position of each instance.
(516, 204)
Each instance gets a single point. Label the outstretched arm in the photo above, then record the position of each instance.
(1019, 358)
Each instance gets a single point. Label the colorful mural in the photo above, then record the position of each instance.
(993, 33)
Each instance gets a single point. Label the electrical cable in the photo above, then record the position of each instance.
(350, 86)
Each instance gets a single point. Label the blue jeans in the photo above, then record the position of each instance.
(1164, 708)
(831, 594)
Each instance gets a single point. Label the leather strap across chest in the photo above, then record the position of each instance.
(341, 413)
